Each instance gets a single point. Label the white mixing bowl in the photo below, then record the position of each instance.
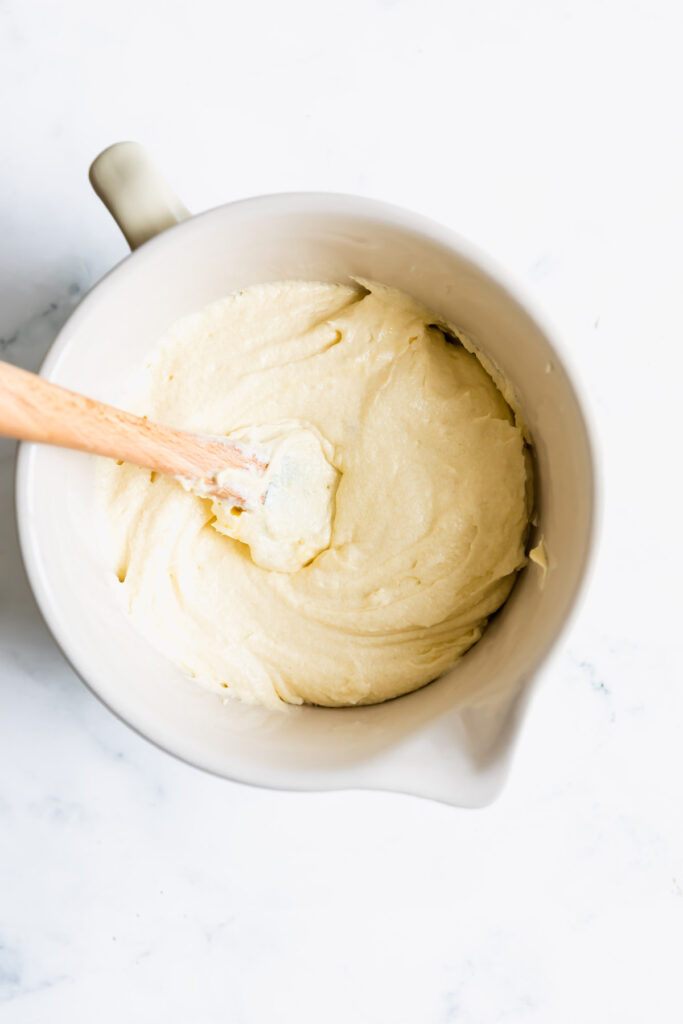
(449, 741)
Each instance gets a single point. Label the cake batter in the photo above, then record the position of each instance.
(417, 516)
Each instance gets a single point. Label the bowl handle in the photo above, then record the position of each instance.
(139, 199)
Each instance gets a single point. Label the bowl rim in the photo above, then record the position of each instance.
(310, 202)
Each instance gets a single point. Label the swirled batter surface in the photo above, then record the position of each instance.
(427, 507)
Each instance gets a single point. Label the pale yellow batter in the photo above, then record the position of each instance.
(422, 525)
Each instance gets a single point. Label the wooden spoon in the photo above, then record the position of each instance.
(32, 409)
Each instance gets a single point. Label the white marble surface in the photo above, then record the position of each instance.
(135, 888)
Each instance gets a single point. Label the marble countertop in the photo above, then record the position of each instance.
(135, 888)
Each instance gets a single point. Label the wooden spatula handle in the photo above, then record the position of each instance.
(32, 409)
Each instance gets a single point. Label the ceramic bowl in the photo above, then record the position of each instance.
(451, 740)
